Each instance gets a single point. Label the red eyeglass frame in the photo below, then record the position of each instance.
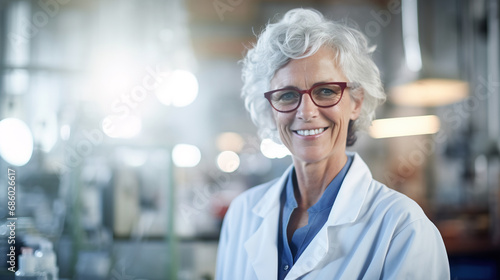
(343, 86)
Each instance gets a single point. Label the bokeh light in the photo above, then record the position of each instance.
(16, 141)
(179, 89)
(230, 141)
(118, 127)
(228, 161)
(184, 155)
(271, 149)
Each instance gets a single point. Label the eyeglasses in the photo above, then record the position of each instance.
(323, 95)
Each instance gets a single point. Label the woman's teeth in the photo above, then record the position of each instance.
(310, 131)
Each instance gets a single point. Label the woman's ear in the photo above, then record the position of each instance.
(357, 102)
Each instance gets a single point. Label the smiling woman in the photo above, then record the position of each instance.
(311, 83)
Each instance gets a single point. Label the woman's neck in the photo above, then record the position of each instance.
(314, 178)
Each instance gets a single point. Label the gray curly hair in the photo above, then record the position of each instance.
(299, 34)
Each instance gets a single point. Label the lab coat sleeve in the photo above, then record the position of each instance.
(229, 249)
(417, 252)
(223, 254)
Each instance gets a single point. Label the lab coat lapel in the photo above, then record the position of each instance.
(324, 248)
(261, 247)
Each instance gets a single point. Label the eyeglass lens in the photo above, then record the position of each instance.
(322, 95)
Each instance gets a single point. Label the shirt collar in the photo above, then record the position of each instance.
(289, 188)
(327, 199)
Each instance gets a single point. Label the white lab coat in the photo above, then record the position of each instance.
(372, 232)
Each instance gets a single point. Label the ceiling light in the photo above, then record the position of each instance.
(397, 127)
(429, 92)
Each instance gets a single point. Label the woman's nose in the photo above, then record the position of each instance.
(307, 109)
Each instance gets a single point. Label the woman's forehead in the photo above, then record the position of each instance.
(304, 72)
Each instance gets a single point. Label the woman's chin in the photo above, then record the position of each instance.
(310, 157)
(316, 155)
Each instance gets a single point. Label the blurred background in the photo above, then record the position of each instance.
(123, 130)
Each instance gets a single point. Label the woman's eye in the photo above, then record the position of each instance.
(288, 96)
(326, 92)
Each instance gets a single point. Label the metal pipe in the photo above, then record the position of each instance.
(493, 91)
(493, 71)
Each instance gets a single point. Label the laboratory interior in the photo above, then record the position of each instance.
(124, 137)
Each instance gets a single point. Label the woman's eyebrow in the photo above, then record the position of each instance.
(296, 87)
(289, 87)
(323, 82)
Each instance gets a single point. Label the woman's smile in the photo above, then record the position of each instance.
(310, 132)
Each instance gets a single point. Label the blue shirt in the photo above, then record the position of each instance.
(289, 252)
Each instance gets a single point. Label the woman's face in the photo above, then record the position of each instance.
(327, 126)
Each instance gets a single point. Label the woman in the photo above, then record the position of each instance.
(313, 83)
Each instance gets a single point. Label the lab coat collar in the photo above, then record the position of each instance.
(271, 198)
(261, 247)
(352, 193)
(347, 204)
(324, 248)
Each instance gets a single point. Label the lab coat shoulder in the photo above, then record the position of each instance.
(393, 207)
(415, 249)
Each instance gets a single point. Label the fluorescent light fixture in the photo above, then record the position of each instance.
(407, 126)
(429, 92)
(410, 35)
